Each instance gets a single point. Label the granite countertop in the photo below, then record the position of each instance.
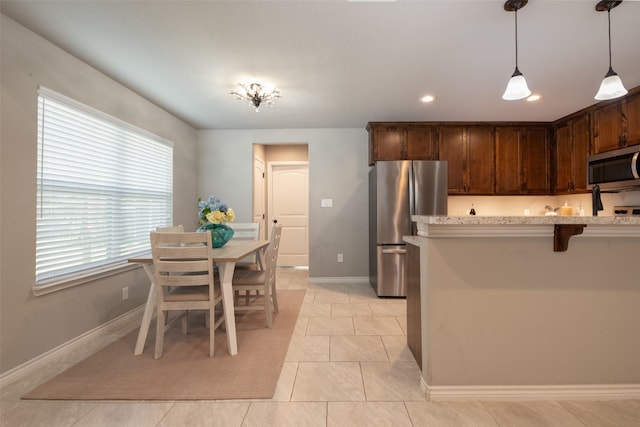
(525, 220)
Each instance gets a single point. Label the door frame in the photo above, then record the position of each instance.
(262, 221)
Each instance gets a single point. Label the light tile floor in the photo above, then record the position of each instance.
(347, 365)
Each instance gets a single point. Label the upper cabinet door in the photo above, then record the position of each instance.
(581, 134)
(608, 132)
(572, 148)
(422, 143)
(535, 160)
(633, 119)
(451, 146)
(387, 143)
(508, 174)
(480, 160)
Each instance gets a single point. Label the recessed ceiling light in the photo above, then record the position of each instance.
(428, 98)
(535, 97)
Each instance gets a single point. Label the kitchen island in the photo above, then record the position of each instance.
(495, 311)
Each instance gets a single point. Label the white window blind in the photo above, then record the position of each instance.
(102, 185)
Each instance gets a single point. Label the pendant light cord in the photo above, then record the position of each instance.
(516, 12)
(609, 21)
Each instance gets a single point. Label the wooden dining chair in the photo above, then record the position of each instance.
(184, 280)
(261, 280)
(246, 231)
(170, 229)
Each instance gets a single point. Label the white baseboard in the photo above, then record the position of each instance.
(331, 280)
(531, 392)
(124, 323)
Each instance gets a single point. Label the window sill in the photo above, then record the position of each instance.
(59, 285)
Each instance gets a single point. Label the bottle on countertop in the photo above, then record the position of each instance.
(472, 211)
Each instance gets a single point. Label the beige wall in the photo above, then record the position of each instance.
(287, 153)
(338, 169)
(29, 325)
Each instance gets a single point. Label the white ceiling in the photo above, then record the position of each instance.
(343, 64)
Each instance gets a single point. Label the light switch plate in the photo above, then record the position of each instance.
(326, 203)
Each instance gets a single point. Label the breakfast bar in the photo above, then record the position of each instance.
(495, 311)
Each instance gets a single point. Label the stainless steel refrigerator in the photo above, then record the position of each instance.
(397, 190)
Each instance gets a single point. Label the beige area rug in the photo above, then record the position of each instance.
(185, 372)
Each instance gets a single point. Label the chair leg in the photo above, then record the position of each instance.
(161, 319)
(267, 309)
(274, 297)
(211, 314)
(185, 320)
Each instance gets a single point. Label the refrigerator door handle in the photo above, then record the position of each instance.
(412, 191)
(394, 251)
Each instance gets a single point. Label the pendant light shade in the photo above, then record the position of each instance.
(611, 86)
(517, 87)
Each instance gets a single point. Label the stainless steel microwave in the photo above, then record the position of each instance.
(615, 170)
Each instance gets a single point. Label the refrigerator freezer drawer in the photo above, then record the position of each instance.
(392, 271)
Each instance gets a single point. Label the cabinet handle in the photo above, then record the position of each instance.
(622, 141)
(394, 251)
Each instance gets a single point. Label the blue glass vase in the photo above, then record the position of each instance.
(220, 233)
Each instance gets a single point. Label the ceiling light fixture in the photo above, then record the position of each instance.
(611, 86)
(517, 87)
(428, 98)
(255, 94)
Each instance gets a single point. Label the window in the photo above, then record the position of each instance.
(102, 185)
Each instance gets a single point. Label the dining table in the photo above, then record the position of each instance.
(225, 258)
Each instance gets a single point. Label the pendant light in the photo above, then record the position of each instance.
(517, 87)
(611, 86)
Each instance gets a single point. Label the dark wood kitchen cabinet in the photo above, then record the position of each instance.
(535, 161)
(617, 124)
(522, 160)
(386, 143)
(398, 141)
(508, 176)
(608, 131)
(422, 142)
(572, 143)
(469, 151)
(633, 119)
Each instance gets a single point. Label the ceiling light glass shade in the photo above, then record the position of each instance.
(516, 88)
(255, 94)
(611, 87)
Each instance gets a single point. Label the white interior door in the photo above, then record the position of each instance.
(289, 204)
(259, 189)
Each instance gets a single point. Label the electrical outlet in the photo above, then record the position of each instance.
(340, 259)
(125, 293)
